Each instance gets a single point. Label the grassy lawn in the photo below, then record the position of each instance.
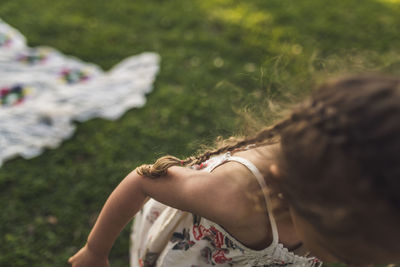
(218, 57)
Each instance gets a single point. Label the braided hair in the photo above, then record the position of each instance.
(266, 136)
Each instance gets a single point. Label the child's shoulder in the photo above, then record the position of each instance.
(245, 208)
(261, 157)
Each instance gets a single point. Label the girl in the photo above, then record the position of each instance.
(324, 181)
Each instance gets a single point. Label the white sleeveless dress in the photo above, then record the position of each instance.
(167, 237)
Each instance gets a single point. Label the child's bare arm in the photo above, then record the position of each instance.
(181, 188)
(127, 198)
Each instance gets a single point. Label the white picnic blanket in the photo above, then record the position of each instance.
(42, 93)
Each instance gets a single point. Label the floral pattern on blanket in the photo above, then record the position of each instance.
(13, 95)
(33, 56)
(5, 40)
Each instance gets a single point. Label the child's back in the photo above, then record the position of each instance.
(245, 235)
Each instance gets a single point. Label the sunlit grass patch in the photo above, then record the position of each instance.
(390, 1)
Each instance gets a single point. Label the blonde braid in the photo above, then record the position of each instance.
(160, 167)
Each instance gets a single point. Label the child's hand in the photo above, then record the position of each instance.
(87, 258)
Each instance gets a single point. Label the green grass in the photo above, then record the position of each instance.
(218, 57)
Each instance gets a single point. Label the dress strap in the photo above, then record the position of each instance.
(260, 179)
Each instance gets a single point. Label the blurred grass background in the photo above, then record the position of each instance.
(218, 57)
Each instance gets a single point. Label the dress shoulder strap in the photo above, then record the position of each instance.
(254, 170)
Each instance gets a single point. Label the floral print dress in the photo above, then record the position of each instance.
(163, 236)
